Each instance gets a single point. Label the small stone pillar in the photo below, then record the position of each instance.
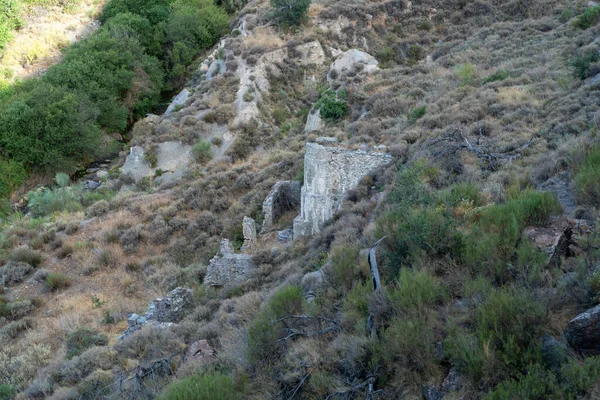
(249, 231)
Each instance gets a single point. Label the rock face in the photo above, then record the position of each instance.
(283, 197)
(172, 160)
(329, 172)
(583, 332)
(178, 101)
(249, 231)
(314, 122)
(163, 312)
(227, 267)
(200, 352)
(312, 284)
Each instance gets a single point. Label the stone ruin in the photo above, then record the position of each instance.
(227, 267)
(330, 172)
(283, 197)
(162, 313)
(249, 232)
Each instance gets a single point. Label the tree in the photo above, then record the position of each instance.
(290, 12)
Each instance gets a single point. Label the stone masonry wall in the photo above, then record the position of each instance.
(329, 172)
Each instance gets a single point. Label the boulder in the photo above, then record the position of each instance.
(178, 101)
(314, 122)
(583, 332)
(227, 267)
(330, 172)
(554, 353)
(313, 283)
(350, 60)
(283, 197)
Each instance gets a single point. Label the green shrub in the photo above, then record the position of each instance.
(582, 63)
(462, 192)
(415, 54)
(415, 292)
(27, 255)
(579, 377)
(12, 175)
(290, 12)
(536, 384)
(408, 343)
(417, 112)
(333, 105)
(202, 152)
(566, 15)
(264, 331)
(467, 74)
(497, 76)
(9, 21)
(588, 18)
(202, 387)
(587, 179)
(344, 266)
(56, 281)
(63, 197)
(82, 339)
(7, 392)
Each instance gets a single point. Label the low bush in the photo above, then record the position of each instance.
(14, 328)
(415, 292)
(56, 281)
(264, 331)
(202, 152)
(14, 272)
(467, 74)
(12, 175)
(588, 18)
(202, 387)
(7, 392)
(27, 255)
(582, 64)
(587, 179)
(82, 339)
(97, 209)
(60, 198)
(497, 76)
(537, 384)
(332, 105)
(290, 12)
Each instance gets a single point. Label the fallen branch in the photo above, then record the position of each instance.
(293, 332)
(372, 258)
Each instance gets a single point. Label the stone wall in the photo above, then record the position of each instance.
(329, 172)
(283, 197)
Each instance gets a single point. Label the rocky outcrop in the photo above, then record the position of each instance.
(330, 172)
(283, 197)
(163, 312)
(227, 268)
(200, 352)
(178, 102)
(583, 332)
(172, 159)
(312, 284)
(314, 122)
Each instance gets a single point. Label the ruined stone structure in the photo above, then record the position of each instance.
(227, 267)
(162, 313)
(249, 231)
(283, 197)
(329, 172)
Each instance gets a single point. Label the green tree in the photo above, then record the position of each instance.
(290, 12)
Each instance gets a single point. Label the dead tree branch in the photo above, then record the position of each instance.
(292, 330)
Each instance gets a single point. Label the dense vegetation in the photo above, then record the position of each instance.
(102, 85)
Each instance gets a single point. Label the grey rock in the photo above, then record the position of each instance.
(453, 382)
(178, 101)
(330, 172)
(348, 60)
(92, 185)
(227, 267)
(312, 284)
(285, 235)
(554, 352)
(324, 140)
(314, 122)
(135, 164)
(173, 159)
(554, 239)
(283, 197)
(583, 332)
(102, 174)
(432, 393)
(200, 352)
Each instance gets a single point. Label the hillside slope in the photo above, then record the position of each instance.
(461, 133)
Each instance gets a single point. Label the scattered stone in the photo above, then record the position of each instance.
(554, 353)
(432, 393)
(249, 231)
(227, 267)
(178, 101)
(102, 174)
(330, 172)
(162, 313)
(92, 185)
(283, 197)
(453, 382)
(583, 332)
(324, 140)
